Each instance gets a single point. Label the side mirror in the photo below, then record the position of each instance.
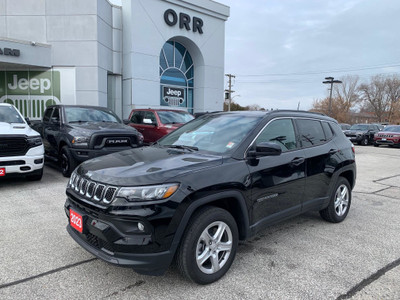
(125, 121)
(266, 149)
(28, 121)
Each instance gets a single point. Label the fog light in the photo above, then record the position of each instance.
(38, 161)
(140, 226)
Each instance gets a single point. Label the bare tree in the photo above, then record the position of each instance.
(393, 96)
(374, 94)
(347, 92)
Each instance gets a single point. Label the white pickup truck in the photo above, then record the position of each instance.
(21, 147)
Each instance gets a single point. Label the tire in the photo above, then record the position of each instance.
(37, 176)
(68, 163)
(199, 257)
(340, 201)
(365, 141)
(376, 145)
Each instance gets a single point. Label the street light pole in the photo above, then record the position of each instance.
(331, 81)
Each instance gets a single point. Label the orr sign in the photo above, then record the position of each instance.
(172, 18)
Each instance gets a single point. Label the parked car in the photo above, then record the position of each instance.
(389, 136)
(362, 134)
(344, 126)
(74, 133)
(214, 181)
(155, 123)
(21, 148)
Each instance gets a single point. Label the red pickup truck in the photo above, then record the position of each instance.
(155, 123)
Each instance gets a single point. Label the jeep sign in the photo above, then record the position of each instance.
(173, 96)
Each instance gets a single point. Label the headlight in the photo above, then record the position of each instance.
(34, 141)
(80, 141)
(153, 192)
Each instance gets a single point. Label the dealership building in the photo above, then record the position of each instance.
(142, 54)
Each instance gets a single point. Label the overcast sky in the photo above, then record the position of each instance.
(281, 50)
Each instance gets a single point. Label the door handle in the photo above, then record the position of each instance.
(297, 161)
(333, 151)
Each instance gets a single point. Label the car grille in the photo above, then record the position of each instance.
(92, 190)
(98, 243)
(12, 163)
(385, 135)
(101, 141)
(13, 146)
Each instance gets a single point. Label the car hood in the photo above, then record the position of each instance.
(145, 166)
(17, 129)
(355, 131)
(87, 128)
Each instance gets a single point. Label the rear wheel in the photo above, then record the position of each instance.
(365, 141)
(339, 204)
(68, 163)
(208, 246)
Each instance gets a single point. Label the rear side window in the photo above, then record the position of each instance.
(280, 132)
(311, 132)
(327, 130)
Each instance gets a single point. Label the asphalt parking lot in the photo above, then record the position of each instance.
(304, 258)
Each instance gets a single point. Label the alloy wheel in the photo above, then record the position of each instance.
(214, 247)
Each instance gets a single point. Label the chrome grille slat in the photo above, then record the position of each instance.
(109, 194)
(92, 190)
(98, 194)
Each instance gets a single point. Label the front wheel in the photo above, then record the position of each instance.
(339, 204)
(68, 163)
(376, 145)
(209, 245)
(365, 141)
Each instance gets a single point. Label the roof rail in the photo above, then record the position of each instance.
(300, 111)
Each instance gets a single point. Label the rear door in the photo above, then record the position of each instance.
(277, 181)
(321, 159)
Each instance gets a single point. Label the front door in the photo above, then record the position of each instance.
(278, 182)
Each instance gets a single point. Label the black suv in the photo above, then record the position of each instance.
(214, 181)
(362, 134)
(74, 133)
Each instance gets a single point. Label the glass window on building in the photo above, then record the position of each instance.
(176, 76)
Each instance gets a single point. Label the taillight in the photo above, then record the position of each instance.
(353, 149)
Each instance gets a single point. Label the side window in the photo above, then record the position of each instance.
(149, 118)
(137, 117)
(280, 132)
(47, 114)
(310, 132)
(55, 117)
(327, 130)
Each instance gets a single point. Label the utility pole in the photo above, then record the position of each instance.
(229, 90)
(329, 80)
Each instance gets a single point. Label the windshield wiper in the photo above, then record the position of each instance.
(77, 121)
(184, 147)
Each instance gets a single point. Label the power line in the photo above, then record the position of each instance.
(323, 72)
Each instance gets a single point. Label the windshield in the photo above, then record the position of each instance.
(359, 127)
(83, 114)
(392, 128)
(9, 114)
(219, 133)
(174, 117)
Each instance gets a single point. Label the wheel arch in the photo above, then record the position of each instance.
(231, 201)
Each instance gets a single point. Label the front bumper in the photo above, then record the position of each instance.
(26, 164)
(117, 240)
(147, 264)
(355, 139)
(387, 142)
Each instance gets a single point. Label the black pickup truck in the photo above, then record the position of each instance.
(72, 134)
